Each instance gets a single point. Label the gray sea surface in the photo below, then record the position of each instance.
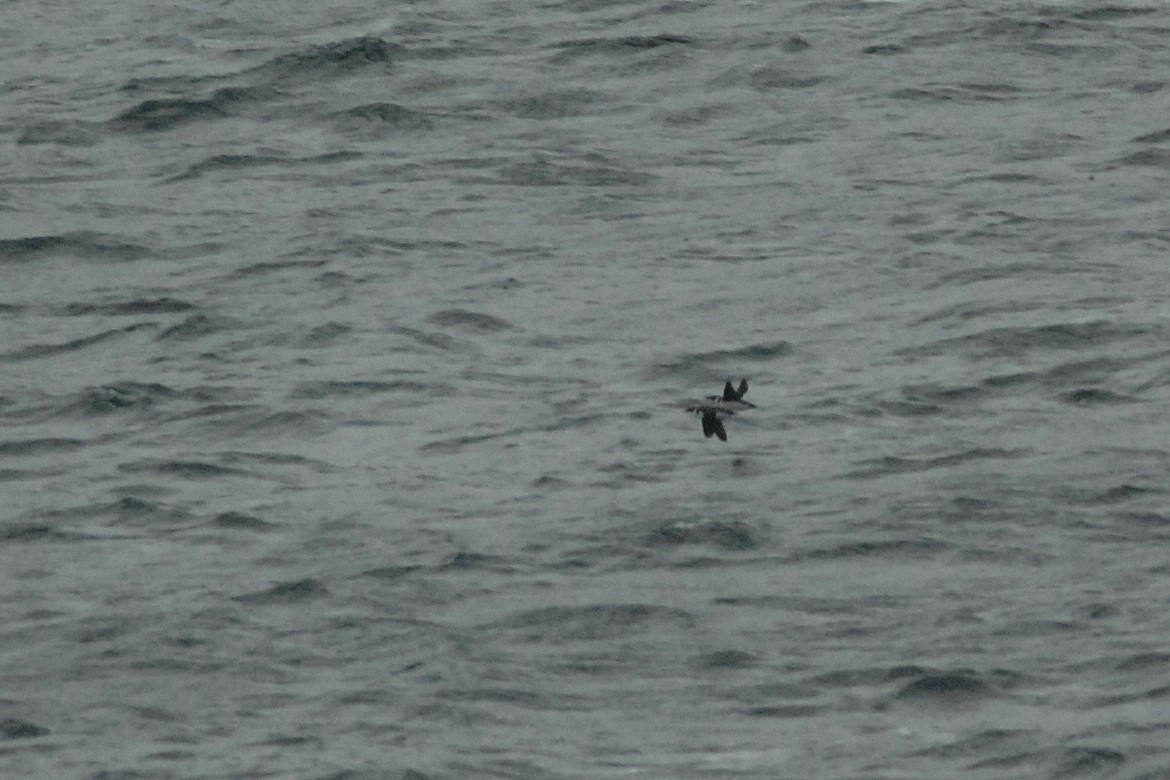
(345, 352)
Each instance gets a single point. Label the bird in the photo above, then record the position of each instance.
(724, 405)
(732, 398)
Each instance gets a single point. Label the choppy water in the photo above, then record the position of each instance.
(344, 353)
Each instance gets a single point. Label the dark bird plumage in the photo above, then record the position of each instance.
(725, 405)
(712, 425)
(732, 397)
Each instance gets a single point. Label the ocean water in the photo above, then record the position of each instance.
(346, 348)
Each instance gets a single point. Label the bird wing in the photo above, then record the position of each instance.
(709, 423)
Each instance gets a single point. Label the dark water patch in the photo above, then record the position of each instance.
(994, 741)
(1146, 662)
(1091, 371)
(126, 308)
(390, 573)
(37, 447)
(139, 511)
(196, 326)
(325, 335)
(511, 282)
(266, 267)
(270, 458)
(249, 421)
(693, 116)
(292, 592)
(515, 697)
(378, 120)
(82, 244)
(908, 408)
(550, 341)
(14, 728)
(1095, 396)
(775, 77)
(997, 225)
(1015, 178)
(227, 98)
(650, 41)
(1147, 87)
(992, 272)
(957, 687)
(1152, 522)
(128, 510)
(795, 44)
(1096, 611)
(724, 534)
(1014, 342)
(545, 173)
(433, 340)
(160, 114)
(784, 711)
(957, 93)
(1086, 762)
(933, 398)
(1013, 761)
(409, 774)
(1025, 28)
(62, 133)
(1044, 629)
(620, 44)
(1158, 137)
(330, 158)
(1003, 554)
(471, 561)
(726, 659)
(164, 84)
(112, 398)
(699, 363)
(891, 464)
(969, 310)
(1008, 381)
(183, 469)
(557, 104)
(1145, 696)
(457, 443)
(764, 351)
(596, 622)
(1113, 495)
(1111, 12)
(1075, 54)
(239, 521)
(472, 321)
(622, 473)
(549, 482)
(331, 60)
(363, 388)
(1146, 158)
(884, 49)
(232, 163)
(30, 532)
(865, 676)
(918, 547)
(37, 351)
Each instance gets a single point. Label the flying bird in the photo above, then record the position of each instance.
(732, 398)
(719, 406)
